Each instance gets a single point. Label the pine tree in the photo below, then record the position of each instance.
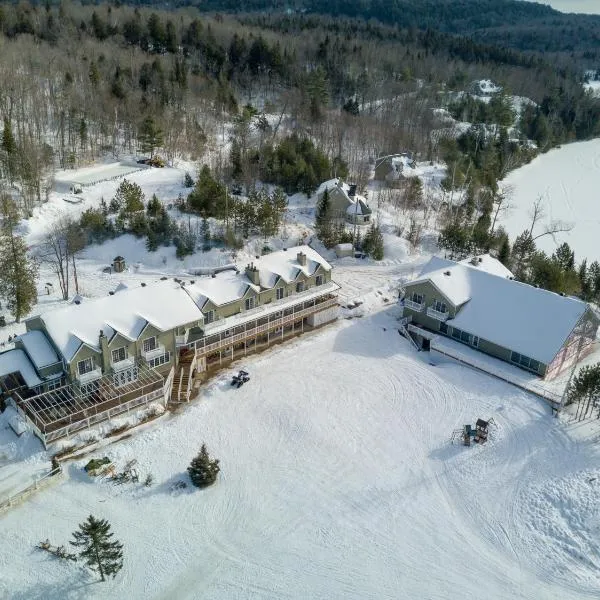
(373, 242)
(100, 552)
(323, 225)
(203, 471)
(188, 181)
(129, 197)
(17, 271)
(150, 136)
(504, 252)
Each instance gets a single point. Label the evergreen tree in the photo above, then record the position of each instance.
(373, 242)
(9, 146)
(203, 471)
(150, 136)
(585, 388)
(209, 197)
(565, 257)
(323, 225)
(154, 206)
(504, 252)
(129, 197)
(522, 252)
(205, 234)
(584, 280)
(100, 552)
(188, 181)
(17, 271)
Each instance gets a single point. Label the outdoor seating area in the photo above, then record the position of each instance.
(61, 412)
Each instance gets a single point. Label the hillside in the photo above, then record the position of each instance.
(513, 23)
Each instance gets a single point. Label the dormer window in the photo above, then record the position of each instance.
(300, 287)
(249, 303)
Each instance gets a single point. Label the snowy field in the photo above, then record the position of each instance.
(338, 478)
(338, 481)
(567, 180)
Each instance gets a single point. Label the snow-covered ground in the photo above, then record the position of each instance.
(567, 180)
(338, 481)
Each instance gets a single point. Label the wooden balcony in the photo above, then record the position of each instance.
(438, 314)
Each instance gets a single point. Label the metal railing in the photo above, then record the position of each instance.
(202, 349)
(37, 484)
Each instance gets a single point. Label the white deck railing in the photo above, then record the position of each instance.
(416, 306)
(438, 314)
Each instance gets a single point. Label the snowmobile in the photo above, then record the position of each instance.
(240, 379)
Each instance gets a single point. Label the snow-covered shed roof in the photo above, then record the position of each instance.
(165, 305)
(488, 263)
(223, 288)
(39, 349)
(514, 315)
(15, 361)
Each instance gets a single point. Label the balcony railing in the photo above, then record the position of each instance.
(126, 363)
(438, 314)
(416, 306)
(154, 353)
(89, 376)
(181, 340)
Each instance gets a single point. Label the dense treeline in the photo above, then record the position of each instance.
(506, 23)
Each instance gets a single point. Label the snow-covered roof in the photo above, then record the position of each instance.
(359, 206)
(488, 263)
(514, 315)
(221, 289)
(486, 86)
(285, 264)
(39, 349)
(165, 305)
(15, 361)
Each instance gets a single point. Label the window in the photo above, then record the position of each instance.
(464, 337)
(249, 303)
(124, 377)
(319, 280)
(476, 341)
(279, 293)
(89, 388)
(150, 344)
(209, 316)
(85, 366)
(444, 327)
(418, 298)
(119, 354)
(440, 306)
(524, 361)
(55, 383)
(300, 286)
(159, 360)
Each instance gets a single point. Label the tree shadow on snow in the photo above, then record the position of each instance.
(77, 586)
(177, 485)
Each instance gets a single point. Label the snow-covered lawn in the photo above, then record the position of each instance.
(567, 180)
(337, 481)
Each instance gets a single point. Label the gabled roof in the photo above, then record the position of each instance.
(285, 264)
(165, 305)
(488, 263)
(514, 315)
(39, 349)
(358, 206)
(223, 288)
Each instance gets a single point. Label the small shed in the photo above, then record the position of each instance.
(342, 250)
(118, 264)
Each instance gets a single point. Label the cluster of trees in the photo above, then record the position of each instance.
(497, 110)
(187, 77)
(584, 389)
(331, 230)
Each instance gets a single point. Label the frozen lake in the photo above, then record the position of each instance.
(567, 178)
(591, 7)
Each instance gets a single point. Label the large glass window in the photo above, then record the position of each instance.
(150, 344)
(209, 316)
(444, 327)
(249, 303)
(280, 291)
(300, 286)
(418, 298)
(319, 280)
(524, 361)
(119, 354)
(440, 306)
(85, 366)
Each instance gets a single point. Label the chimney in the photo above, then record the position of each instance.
(301, 257)
(253, 274)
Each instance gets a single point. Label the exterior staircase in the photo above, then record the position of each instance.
(182, 381)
